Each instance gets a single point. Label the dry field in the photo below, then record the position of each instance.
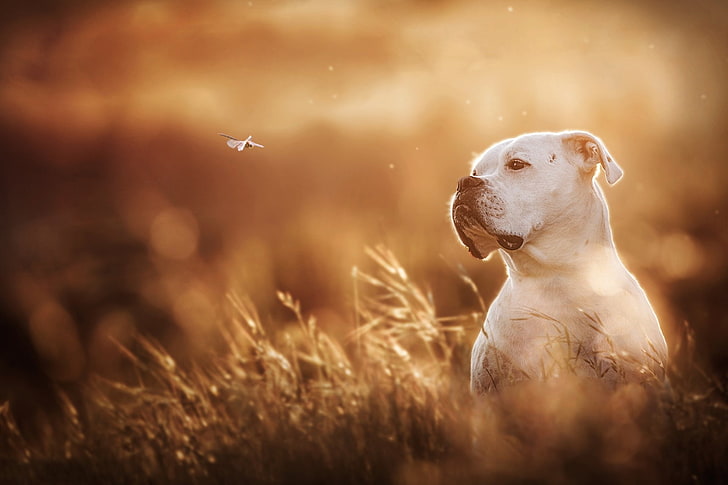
(173, 311)
(388, 405)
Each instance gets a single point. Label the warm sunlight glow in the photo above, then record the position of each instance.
(176, 311)
(174, 234)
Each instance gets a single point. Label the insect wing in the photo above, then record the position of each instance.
(234, 143)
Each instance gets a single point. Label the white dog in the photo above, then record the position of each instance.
(569, 304)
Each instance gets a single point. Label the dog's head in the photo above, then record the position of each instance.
(525, 185)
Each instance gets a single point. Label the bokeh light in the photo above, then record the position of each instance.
(125, 211)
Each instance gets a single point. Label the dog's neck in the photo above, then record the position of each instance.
(589, 243)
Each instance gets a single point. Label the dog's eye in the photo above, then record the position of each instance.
(516, 164)
(474, 174)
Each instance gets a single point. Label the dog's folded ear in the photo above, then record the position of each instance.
(593, 152)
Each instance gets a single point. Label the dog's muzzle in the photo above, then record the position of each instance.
(474, 205)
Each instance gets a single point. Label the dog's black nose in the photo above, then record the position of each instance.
(469, 183)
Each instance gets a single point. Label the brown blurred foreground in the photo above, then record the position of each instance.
(125, 213)
(389, 405)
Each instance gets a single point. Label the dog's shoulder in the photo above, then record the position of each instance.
(491, 368)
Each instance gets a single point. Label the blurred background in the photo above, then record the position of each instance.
(123, 210)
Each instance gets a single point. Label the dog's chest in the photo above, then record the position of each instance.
(534, 313)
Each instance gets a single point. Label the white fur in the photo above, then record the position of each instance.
(569, 304)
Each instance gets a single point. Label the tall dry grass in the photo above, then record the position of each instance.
(388, 405)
